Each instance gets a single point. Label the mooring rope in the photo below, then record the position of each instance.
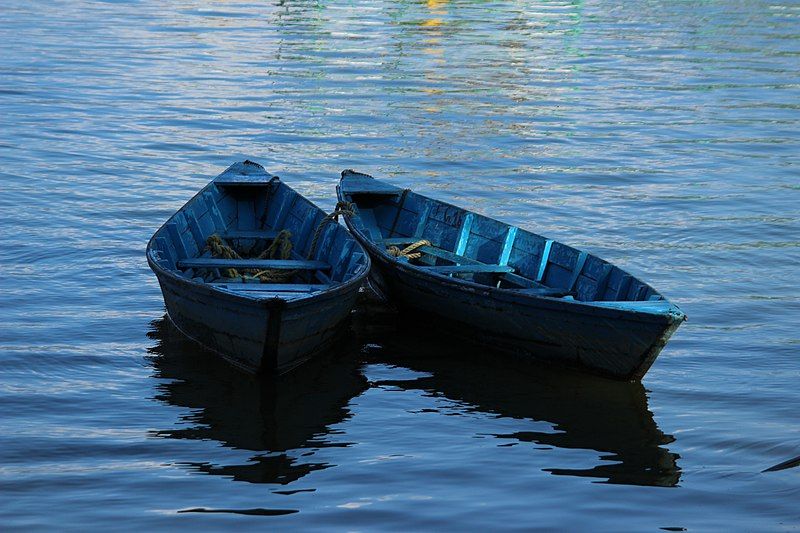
(342, 208)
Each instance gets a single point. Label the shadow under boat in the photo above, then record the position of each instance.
(270, 416)
(586, 412)
(284, 419)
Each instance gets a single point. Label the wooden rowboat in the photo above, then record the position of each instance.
(223, 302)
(506, 287)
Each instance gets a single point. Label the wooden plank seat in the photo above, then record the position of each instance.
(233, 179)
(546, 291)
(399, 241)
(468, 269)
(270, 287)
(368, 186)
(262, 264)
(373, 192)
(265, 234)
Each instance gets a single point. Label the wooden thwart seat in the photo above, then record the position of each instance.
(253, 178)
(545, 291)
(373, 192)
(270, 287)
(275, 264)
(468, 269)
(249, 234)
(358, 185)
(399, 241)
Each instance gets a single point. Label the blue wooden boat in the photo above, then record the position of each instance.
(505, 287)
(224, 303)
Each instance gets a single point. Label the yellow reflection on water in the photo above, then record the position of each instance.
(437, 10)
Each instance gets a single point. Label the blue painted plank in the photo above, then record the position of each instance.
(545, 257)
(468, 269)
(399, 241)
(279, 264)
(270, 287)
(340, 265)
(463, 236)
(602, 281)
(368, 186)
(508, 245)
(370, 224)
(286, 207)
(522, 281)
(577, 270)
(175, 237)
(423, 219)
(544, 291)
(448, 256)
(656, 306)
(194, 228)
(302, 240)
(244, 174)
(246, 214)
(624, 285)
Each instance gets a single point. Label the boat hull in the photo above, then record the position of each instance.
(260, 336)
(613, 343)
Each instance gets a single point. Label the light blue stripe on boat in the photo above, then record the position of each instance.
(545, 258)
(464, 235)
(508, 245)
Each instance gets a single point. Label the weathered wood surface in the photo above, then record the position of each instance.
(274, 264)
(467, 269)
(271, 287)
(249, 234)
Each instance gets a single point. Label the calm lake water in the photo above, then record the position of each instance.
(664, 136)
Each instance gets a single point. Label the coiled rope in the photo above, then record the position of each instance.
(279, 248)
(408, 251)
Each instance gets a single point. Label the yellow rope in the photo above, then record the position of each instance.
(279, 248)
(219, 249)
(408, 251)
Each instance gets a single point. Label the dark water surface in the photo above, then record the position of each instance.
(664, 136)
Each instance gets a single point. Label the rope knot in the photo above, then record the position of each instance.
(408, 251)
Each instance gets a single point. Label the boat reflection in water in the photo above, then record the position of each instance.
(586, 412)
(285, 419)
(270, 416)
